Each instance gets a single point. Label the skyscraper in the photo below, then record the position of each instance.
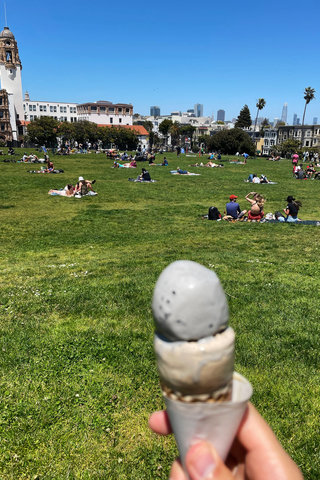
(284, 113)
(295, 117)
(315, 120)
(221, 115)
(155, 111)
(198, 110)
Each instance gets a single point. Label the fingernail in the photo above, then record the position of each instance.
(202, 462)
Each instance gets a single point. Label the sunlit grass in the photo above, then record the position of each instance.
(78, 376)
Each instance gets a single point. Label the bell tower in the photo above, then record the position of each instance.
(10, 76)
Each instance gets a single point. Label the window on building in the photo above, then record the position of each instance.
(43, 108)
(8, 56)
(34, 108)
(266, 142)
(314, 141)
(31, 118)
(51, 108)
(271, 143)
(307, 143)
(308, 134)
(111, 109)
(120, 120)
(93, 109)
(120, 109)
(111, 120)
(127, 110)
(102, 109)
(30, 108)
(61, 109)
(1, 114)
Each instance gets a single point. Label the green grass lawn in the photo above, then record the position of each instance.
(78, 376)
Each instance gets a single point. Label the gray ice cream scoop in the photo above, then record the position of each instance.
(189, 302)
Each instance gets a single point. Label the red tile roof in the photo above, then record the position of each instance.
(137, 128)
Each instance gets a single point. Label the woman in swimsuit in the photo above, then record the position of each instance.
(257, 203)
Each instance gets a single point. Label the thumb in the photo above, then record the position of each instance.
(204, 463)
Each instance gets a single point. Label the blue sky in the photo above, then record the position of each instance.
(223, 54)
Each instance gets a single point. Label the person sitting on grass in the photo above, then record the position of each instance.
(165, 162)
(50, 167)
(292, 209)
(145, 176)
(310, 170)
(233, 210)
(256, 210)
(83, 186)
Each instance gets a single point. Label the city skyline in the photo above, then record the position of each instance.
(73, 56)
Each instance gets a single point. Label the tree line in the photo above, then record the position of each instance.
(48, 131)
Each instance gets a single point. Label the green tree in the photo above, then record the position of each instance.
(244, 118)
(188, 131)
(288, 147)
(86, 131)
(175, 133)
(230, 142)
(164, 128)
(309, 94)
(66, 131)
(43, 131)
(264, 126)
(260, 105)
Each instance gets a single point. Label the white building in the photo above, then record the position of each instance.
(61, 111)
(106, 113)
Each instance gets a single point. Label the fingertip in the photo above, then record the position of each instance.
(177, 472)
(159, 422)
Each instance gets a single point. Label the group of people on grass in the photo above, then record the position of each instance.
(81, 188)
(256, 211)
(310, 172)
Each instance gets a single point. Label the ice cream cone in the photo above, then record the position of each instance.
(216, 423)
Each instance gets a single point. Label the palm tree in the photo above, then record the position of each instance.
(308, 96)
(261, 103)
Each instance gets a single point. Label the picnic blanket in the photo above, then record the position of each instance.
(141, 181)
(300, 222)
(43, 171)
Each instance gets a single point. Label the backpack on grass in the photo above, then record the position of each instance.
(213, 213)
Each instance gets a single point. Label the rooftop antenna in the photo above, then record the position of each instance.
(5, 14)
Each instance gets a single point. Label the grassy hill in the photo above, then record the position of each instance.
(78, 375)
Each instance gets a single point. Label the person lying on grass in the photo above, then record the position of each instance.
(256, 210)
(68, 191)
(182, 172)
